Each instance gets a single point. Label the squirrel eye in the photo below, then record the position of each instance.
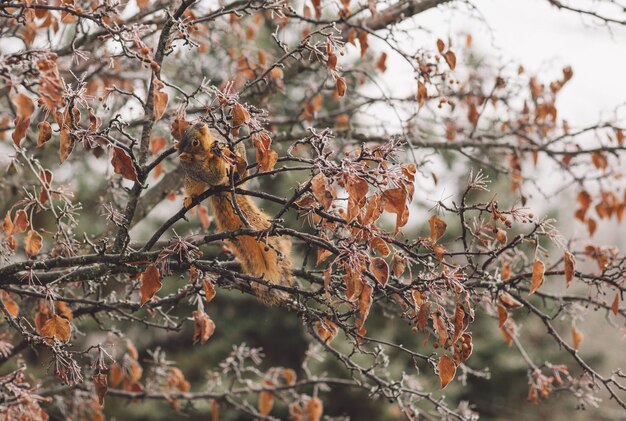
(195, 142)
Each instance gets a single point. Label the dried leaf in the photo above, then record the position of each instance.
(577, 337)
(240, 115)
(422, 94)
(450, 58)
(615, 305)
(326, 330)
(266, 402)
(537, 279)
(289, 375)
(440, 45)
(381, 63)
(32, 243)
(66, 144)
(340, 86)
(423, 315)
(45, 133)
(509, 302)
(150, 283)
(9, 303)
(21, 126)
(380, 269)
(380, 246)
(209, 290)
(570, 267)
(24, 105)
(58, 328)
(157, 144)
(7, 224)
(437, 228)
(447, 370)
(314, 409)
(322, 191)
(503, 315)
(20, 222)
(100, 382)
(204, 327)
(440, 325)
(123, 164)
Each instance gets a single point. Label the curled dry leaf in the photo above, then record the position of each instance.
(450, 58)
(380, 246)
(44, 133)
(423, 315)
(240, 115)
(150, 283)
(440, 325)
(398, 265)
(447, 370)
(340, 86)
(9, 303)
(326, 329)
(289, 375)
(102, 388)
(380, 269)
(615, 305)
(538, 276)
(20, 222)
(209, 289)
(437, 228)
(21, 126)
(503, 315)
(422, 94)
(204, 327)
(322, 191)
(266, 402)
(57, 327)
(32, 243)
(123, 164)
(66, 144)
(570, 267)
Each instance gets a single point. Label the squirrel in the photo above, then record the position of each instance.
(208, 162)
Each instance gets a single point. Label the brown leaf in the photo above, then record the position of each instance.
(363, 42)
(20, 222)
(314, 409)
(615, 305)
(340, 86)
(9, 303)
(209, 290)
(570, 267)
(365, 302)
(331, 63)
(322, 190)
(537, 280)
(160, 99)
(381, 63)
(123, 164)
(380, 269)
(380, 246)
(440, 45)
(289, 375)
(240, 115)
(21, 126)
(509, 302)
(437, 228)
(58, 328)
(32, 243)
(150, 283)
(503, 315)
(398, 265)
(204, 327)
(447, 370)
(7, 225)
(116, 374)
(66, 144)
(322, 255)
(179, 126)
(45, 133)
(326, 329)
(176, 380)
(501, 235)
(423, 315)
(266, 402)
(24, 105)
(422, 94)
(100, 382)
(577, 337)
(450, 58)
(440, 325)
(459, 322)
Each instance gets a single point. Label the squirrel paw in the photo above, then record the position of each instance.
(187, 201)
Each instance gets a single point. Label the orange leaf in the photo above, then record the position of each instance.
(509, 302)
(204, 327)
(326, 330)
(340, 86)
(577, 337)
(422, 94)
(537, 280)
(20, 222)
(123, 164)
(21, 125)
(66, 144)
(423, 315)
(440, 45)
(45, 133)
(266, 402)
(437, 228)
(209, 289)
(450, 58)
(57, 327)
(7, 225)
(570, 266)
(10, 303)
(440, 325)
(381, 63)
(32, 243)
(23, 103)
(150, 283)
(380, 269)
(380, 246)
(289, 375)
(615, 305)
(314, 409)
(503, 315)
(240, 115)
(157, 144)
(447, 370)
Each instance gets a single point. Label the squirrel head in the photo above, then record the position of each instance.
(201, 156)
